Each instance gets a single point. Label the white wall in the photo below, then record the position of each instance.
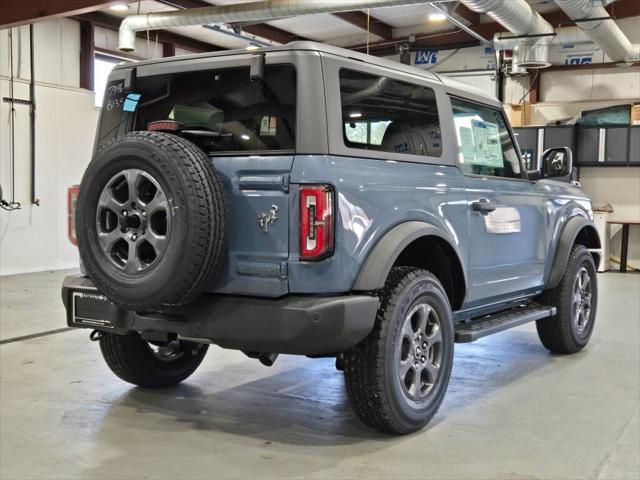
(619, 186)
(35, 238)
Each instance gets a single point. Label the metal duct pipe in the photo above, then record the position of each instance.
(244, 12)
(605, 33)
(521, 19)
(563, 36)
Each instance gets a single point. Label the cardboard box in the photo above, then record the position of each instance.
(519, 114)
(635, 115)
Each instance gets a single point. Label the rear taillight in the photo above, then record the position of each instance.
(316, 222)
(164, 126)
(72, 200)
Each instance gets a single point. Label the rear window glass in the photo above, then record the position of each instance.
(222, 111)
(383, 114)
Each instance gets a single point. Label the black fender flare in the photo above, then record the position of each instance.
(377, 266)
(567, 239)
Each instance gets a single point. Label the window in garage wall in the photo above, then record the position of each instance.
(102, 64)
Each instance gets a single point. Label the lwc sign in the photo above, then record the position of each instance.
(426, 57)
(472, 58)
(576, 54)
(483, 58)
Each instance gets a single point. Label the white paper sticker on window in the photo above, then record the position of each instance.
(487, 149)
(466, 145)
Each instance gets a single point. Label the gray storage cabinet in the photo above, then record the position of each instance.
(588, 146)
(616, 146)
(634, 145)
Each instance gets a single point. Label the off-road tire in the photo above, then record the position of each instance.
(199, 230)
(559, 333)
(132, 360)
(373, 387)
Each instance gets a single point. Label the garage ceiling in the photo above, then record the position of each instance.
(387, 26)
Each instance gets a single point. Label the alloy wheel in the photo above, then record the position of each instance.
(581, 301)
(133, 220)
(419, 352)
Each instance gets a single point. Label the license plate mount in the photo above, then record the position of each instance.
(90, 309)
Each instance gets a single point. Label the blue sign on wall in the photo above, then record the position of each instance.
(426, 57)
(578, 60)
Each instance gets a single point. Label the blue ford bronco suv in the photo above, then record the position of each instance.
(310, 200)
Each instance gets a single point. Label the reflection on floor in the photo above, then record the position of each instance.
(512, 410)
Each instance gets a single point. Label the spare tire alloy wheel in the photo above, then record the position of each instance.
(152, 221)
(133, 220)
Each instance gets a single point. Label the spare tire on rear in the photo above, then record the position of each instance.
(151, 221)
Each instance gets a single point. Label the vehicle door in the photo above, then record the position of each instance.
(507, 226)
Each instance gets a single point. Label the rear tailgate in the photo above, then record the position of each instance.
(258, 195)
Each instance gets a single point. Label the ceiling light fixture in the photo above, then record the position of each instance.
(355, 115)
(252, 46)
(119, 7)
(437, 17)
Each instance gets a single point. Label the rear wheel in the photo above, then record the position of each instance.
(151, 365)
(397, 377)
(576, 299)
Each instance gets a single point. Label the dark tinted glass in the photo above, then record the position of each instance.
(222, 111)
(383, 114)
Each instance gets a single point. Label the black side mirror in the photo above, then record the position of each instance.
(557, 163)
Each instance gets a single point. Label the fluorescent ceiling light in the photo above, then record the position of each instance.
(355, 115)
(245, 137)
(119, 7)
(437, 17)
(252, 46)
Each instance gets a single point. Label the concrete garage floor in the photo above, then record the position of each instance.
(512, 410)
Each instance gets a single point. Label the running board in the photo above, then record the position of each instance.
(481, 327)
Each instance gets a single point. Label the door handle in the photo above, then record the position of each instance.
(483, 206)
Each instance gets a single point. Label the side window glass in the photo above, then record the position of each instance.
(484, 143)
(383, 114)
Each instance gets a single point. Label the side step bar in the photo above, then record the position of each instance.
(481, 327)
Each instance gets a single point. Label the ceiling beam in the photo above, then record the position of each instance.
(367, 23)
(15, 13)
(455, 37)
(100, 19)
(624, 9)
(437, 40)
(262, 30)
(465, 13)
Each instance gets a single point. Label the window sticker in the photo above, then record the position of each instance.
(131, 102)
(487, 148)
(466, 148)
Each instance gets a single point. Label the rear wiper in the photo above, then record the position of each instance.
(207, 133)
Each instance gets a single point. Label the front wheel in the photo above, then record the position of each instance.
(151, 365)
(576, 299)
(396, 377)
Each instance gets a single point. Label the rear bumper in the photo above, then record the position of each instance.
(295, 324)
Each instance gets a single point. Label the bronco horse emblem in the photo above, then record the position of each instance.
(267, 218)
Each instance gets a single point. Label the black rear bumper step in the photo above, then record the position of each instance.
(481, 327)
(305, 325)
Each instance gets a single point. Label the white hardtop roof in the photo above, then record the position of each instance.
(460, 87)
